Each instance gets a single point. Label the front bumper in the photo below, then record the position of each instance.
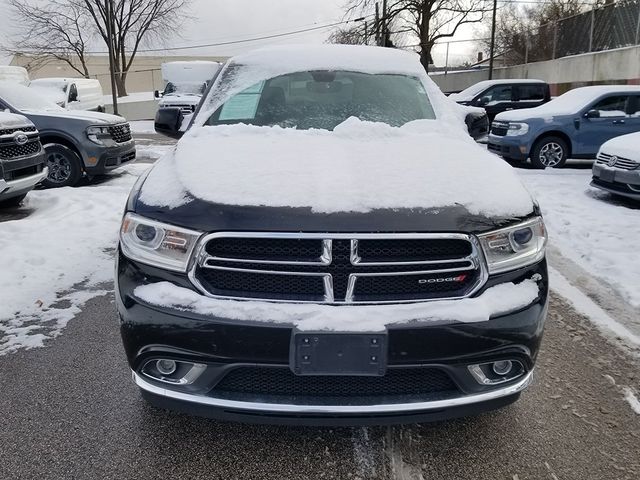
(100, 160)
(20, 186)
(509, 147)
(224, 345)
(617, 181)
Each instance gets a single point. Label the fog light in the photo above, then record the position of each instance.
(166, 367)
(502, 367)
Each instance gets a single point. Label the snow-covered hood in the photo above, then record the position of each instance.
(187, 98)
(626, 146)
(359, 167)
(96, 118)
(11, 120)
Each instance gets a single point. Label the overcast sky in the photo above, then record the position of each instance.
(223, 20)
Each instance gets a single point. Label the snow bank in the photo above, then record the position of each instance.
(494, 301)
(588, 228)
(358, 167)
(66, 242)
(625, 146)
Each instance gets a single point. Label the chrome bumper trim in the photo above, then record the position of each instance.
(25, 182)
(335, 409)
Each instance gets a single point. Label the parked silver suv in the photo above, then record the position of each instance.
(76, 143)
(22, 164)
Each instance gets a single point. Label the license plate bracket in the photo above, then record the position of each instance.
(607, 175)
(322, 353)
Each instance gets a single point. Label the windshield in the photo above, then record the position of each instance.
(323, 100)
(185, 88)
(25, 99)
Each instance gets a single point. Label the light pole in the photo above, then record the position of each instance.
(109, 22)
(493, 39)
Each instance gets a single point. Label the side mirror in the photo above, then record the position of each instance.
(168, 122)
(593, 114)
(156, 93)
(477, 125)
(483, 101)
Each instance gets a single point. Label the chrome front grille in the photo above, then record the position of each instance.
(338, 268)
(617, 162)
(186, 109)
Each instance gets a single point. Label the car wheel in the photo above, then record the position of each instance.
(12, 202)
(64, 166)
(549, 152)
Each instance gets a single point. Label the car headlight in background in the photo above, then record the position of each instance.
(157, 244)
(516, 128)
(514, 247)
(98, 134)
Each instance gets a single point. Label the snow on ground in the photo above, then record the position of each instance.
(57, 257)
(152, 152)
(590, 228)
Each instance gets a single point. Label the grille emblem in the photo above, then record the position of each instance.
(459, 278)
(612, 161)
(20, 138)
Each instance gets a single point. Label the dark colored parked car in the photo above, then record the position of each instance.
(497, 96)
(327, 245)
(22, 164)
(573, 125)
(76, 143)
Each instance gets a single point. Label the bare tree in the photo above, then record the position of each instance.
(58, 29)
(63, 29)
(349, 36)
(134, 22)
(426, 20)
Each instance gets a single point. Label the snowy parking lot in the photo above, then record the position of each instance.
(57, 280)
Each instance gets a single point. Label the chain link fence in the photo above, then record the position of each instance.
(614, 25)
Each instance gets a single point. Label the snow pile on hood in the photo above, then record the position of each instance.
(359, 167)
(625, 146)
(11, 120)
(495, 301)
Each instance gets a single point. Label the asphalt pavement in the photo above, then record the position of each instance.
(70, 411)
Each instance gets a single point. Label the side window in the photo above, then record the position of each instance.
(613, 106)
(73, 93)
(531, 93)
(496, 95)
(634, 106)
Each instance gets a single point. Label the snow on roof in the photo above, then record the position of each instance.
(471, 92)
(496, 300)
(567, 104)
(625, 146)
(248, 69)
(357, 167)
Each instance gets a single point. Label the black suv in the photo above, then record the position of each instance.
(497, 96)
(22, 162)
(327, 245)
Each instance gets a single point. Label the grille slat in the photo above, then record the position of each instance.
(11, 131)
(14, 150)
(621, 162)
(365, 269)
(281, 382)
(120, 133)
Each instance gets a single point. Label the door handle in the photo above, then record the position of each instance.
(618, 122)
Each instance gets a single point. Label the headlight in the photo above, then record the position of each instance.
(157, 244)
(96, 134)
(516, 129)
(514, 247)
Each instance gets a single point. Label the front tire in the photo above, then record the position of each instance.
(64, 166)
(549, 152)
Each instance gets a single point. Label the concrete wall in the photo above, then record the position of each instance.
(145, 110)
(612, 66)
(144, 75)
